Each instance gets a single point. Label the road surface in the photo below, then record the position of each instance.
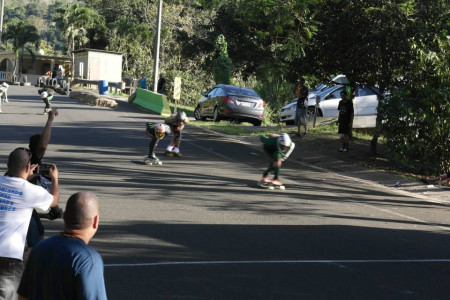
(198, 227)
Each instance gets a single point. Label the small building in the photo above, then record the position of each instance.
(92, 64)
(41, 65)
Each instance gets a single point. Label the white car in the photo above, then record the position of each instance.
(287, 113)
(365, 103)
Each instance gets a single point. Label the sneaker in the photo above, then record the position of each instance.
(341, 149)
(276, 182)
(345, 149)
(266, 180)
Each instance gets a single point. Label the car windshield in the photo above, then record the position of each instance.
(235, 90)
(328, 90)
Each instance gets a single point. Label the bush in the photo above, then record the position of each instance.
(417, 115)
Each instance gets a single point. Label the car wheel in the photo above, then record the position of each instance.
(257, 123)
(311, 111)
(216, 117)
(197, 114)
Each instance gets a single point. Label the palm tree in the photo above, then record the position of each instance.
(74, 22)
(21, 35)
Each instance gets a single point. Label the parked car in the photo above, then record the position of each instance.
(229, 102)
(365, 103)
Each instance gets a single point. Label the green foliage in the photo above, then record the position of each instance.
(417, 115)
(222, 65)
(22, 36)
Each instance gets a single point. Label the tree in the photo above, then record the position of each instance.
(74, 22)
(21, 35)
(222, 66)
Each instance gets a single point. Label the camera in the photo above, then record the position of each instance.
(44, 169)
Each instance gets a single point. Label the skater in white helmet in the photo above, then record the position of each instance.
(176, 122)
(278, 147)
(155, 131)
(47, 97)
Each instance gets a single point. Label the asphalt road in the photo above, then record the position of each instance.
(198, 227)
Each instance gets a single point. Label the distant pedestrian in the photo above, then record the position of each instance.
(161, 85)
(64, 266)
(143, 81)
(345, 120)
(301, 113)
(18, 197)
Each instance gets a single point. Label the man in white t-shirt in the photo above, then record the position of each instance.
(18, 198)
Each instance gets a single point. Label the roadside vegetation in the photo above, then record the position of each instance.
(402, 47)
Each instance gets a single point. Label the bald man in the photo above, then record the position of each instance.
(18, 198)
(64, 266)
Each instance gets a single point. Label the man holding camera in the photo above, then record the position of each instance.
(18, 198)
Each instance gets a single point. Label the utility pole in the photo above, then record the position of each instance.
(1, 20)
(158, 41)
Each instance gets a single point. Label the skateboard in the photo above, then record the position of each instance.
(269, 186)
(152, 162)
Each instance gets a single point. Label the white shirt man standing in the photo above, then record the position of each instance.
(18, 198)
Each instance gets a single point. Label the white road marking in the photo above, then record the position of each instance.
(301, 261)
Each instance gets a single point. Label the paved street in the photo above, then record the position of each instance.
(198, 227)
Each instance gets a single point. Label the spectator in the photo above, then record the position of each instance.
(162, 85)
(59, 75)
(64, 266)
(55, 71)
(301, 114)
(345, 120)
(18, 197)
(38, 144)
(143, 81)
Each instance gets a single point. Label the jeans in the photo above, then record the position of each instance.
(11, 270)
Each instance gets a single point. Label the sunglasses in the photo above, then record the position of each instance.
(27, 151)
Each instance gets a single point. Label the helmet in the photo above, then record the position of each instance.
(160, 130)
(44, 95)
(181, 116)
(4, 84)
(284, 140)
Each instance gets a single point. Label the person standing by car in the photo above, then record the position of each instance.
(278, 147)
(301, 114)
(345, 120)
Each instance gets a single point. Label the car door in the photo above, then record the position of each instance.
(366, 101)
(330, 102)
(208, 104)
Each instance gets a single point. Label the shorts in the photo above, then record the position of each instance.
(301, 116)
(344, 128)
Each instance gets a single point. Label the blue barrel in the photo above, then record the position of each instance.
(103, 87)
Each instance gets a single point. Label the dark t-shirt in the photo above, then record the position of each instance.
(302, 97)
(63, 268)
(345, 108)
